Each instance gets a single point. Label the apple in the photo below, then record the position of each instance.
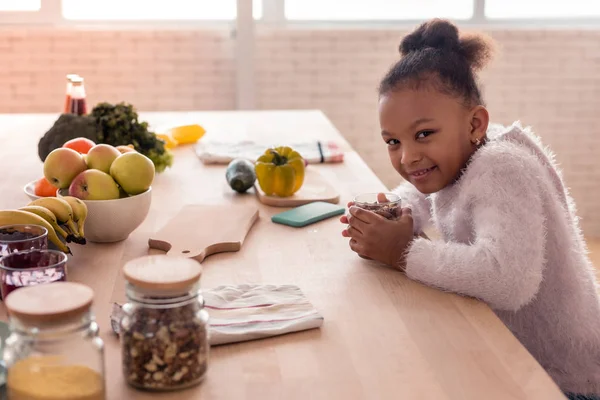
(101, 156)
(62, 165)
(80, 144)
(93, 184)
(125, 149)
(134, 172)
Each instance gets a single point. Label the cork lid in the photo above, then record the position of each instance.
(49, 303)
(162, 272)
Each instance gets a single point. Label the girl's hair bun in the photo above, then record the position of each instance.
(437, 33)
(443, 35)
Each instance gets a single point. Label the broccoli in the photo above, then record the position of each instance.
(111, 124)
(65, 128)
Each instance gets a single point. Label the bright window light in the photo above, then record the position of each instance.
(20, 5)
(538, 9)
(356, 10)
(139, 10)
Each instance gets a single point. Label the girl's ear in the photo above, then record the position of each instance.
(479, 124)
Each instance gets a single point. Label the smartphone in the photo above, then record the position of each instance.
(308, 214)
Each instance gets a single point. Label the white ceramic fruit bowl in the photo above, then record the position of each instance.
(113, 220)
(29, 190)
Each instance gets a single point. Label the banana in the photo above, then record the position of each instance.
(60, 208)
(48, 216)
(80, 212)
(11, 217)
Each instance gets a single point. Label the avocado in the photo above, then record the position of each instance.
(240, 175)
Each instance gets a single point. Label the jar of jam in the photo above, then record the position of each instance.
(164, 330)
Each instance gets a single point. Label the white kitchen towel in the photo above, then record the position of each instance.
(314, 152)
(247, 312)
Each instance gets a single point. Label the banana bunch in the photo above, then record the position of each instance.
(63, 217)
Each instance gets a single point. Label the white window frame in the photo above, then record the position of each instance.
(273, 15)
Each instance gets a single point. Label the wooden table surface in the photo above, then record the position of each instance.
(383, 337)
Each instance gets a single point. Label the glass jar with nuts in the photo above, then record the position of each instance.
(164, 330)
(385, 204)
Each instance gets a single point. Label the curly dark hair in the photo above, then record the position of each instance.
(435, 54)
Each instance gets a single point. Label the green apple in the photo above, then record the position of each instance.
(62, 165)
(93, 184)
(133, 171)
(101, 157)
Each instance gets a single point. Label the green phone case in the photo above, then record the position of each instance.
(307, 214)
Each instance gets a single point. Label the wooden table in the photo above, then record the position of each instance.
(384, 336)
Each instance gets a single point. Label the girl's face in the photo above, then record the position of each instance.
(430, 135)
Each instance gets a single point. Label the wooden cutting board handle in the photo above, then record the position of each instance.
(197, 231)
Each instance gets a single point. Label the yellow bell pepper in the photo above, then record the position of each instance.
(280, 171)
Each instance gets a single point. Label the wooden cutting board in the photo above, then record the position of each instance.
(198, 231)
(314, 188)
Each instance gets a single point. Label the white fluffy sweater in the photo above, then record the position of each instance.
(510, 237)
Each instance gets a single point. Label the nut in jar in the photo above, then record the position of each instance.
(164, 330)
(385, 204)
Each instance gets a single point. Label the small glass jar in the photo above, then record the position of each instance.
(164, 328)
(31, 267)
(385, 204)
(53, 351)
(21, 237)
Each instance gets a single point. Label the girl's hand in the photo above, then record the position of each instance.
(375, 237)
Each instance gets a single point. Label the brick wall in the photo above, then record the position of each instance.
(547, 79)
(154, 70)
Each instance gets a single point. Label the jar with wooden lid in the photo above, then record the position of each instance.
(164, 330)
(53, 351)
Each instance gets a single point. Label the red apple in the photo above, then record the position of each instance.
(93, 184)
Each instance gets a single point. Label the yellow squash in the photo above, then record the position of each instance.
(186, 134)
(280, 171)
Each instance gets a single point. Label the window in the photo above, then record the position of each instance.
(519, 9)
(332, 10)
(20, 5)
(138, 10)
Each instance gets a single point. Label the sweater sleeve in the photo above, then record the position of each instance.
(503, 263)
(418, 203)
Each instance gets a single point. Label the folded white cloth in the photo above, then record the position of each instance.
(247, 312)
(314, 152)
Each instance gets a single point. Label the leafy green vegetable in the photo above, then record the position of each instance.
(114, 124)
(119, 125)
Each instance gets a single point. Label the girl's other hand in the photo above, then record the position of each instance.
(344, 218)
(375, 237)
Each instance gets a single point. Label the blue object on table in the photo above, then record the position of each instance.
(307, 214)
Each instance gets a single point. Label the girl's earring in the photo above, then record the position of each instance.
(477, 142)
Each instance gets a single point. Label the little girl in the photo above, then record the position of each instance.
(510, 236)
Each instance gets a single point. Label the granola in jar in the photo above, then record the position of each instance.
(164, 330)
